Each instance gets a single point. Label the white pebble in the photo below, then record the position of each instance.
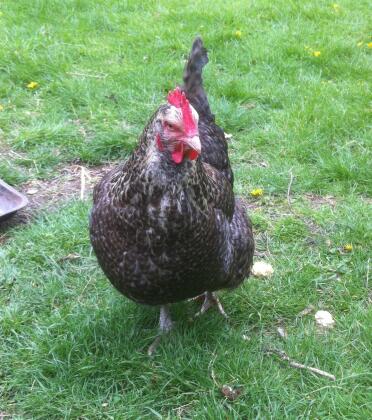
(262, 269)
(282, 332)
(324, 319)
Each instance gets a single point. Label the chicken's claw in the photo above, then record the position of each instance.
(165, 325)
(211, 299)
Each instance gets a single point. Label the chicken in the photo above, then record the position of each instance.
(165, 225)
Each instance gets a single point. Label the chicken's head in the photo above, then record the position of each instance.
(177, 128)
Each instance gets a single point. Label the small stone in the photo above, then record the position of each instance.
(32, 191)
(230, 393)
(324, 319)
(282, 332)
(249, 105)
(262, 269)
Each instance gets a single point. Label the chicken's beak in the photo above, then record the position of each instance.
(194, 143)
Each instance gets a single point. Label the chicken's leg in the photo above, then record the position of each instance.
(165, 325)
(211, 299)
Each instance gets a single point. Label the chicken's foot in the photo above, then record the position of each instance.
(165, 325)
(211, 299)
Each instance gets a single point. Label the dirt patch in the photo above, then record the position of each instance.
(72, 182)
(317, 201)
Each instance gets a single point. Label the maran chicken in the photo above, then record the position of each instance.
(165, 225)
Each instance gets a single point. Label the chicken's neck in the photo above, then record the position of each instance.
(160, 168)
(157, 166)
(154, 170)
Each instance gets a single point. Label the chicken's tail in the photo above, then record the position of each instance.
(193, 81)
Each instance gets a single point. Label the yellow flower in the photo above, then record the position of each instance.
(238, 34)
(33, 85)
(257, 192)
(316, 53)
(1, 108)
(348, 247)
(359, 44)
(369, 45)
(336, 7)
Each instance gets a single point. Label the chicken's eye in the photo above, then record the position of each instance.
(169, 125)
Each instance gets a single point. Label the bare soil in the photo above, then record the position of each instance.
(317, 201)
(72, 182)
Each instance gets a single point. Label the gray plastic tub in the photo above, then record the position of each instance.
(10, 200)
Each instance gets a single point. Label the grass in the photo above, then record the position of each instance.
(71, 347)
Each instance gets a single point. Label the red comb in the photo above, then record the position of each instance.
(178, 99)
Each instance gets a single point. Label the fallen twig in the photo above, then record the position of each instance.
(84, 288)
(283, 356)
(82, 183)
(289, 188)
(95, 76)
(210, 367)
(213, 376)
(260, 254)
(306, 311)
(68, 257)
(267, 244)
(367, 276)
(181, 409)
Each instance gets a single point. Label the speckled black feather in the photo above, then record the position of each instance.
(214, 144)
(165, 232)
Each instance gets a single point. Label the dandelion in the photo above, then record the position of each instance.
(369, 45)
(336, 7)
(348, 247)
(238, 34)
(257, 192)
(316, 53)
(33, 85)
(359, 44)
(1, 108)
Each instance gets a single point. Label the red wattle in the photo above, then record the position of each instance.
(177, 155)
(192, 154)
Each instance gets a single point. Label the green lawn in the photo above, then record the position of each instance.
(70, 345)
